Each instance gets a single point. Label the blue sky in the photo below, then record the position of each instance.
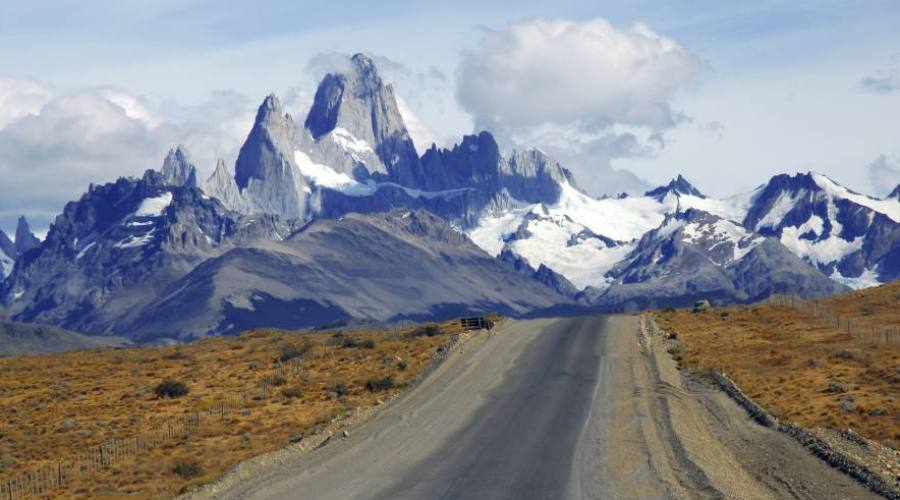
(777, 86)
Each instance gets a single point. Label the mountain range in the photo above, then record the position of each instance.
(338, 218)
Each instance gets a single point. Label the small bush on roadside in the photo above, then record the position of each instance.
(188, 469)
(380, 384)
(429, 330)
(171, 389)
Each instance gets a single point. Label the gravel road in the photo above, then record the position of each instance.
(554, 408)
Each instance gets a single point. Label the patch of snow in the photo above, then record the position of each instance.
(723, 232)
(135, 223)
(85, 250)
(154, 207)
(6, 265)
(17, 294)
(823, 251)
(890, 208)
(349, 142)
(783, 204)
(135, 241)
(327, 177)
(865, 280)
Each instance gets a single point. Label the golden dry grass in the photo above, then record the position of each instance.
(57, 405)
(798, 369)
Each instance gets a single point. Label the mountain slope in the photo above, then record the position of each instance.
(851, 237)
(381, 267)
(694, 254)
(19, 339)
(113, 250)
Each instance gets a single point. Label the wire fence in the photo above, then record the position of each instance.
(859, 330)
(43, 479)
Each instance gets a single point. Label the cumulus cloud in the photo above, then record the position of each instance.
(54, 143)
(584, 75)
(884, 175)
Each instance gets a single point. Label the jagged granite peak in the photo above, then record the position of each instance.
(222, 185)
(474, 162)
(177, 168)
(677, 186)
(25, 239)
(534, 177)
(266, 173)
(361, 107)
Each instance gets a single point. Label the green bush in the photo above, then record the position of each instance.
(171, 389)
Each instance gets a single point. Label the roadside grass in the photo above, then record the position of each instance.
(799, 369)
(55, 406)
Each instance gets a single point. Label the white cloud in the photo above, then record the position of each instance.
(884, 175)
(54, 143)
(21, 97)
(587, 79)
(562, 72)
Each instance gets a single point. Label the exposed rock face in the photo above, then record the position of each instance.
(360, 107)
(222, 185)
(177, 169)
(847, 235)
(8, 255)
(266, 172)
(695, 255)
(25, 239)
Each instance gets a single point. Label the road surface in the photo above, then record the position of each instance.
(553, 408)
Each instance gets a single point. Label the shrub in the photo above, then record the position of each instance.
(339, 388)
(350, 343)
(188, 469)
(836, 388)
(176, 355)
(292, 392)
(289, 351)
(171, 389)
(380, 384)
(429, 330)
